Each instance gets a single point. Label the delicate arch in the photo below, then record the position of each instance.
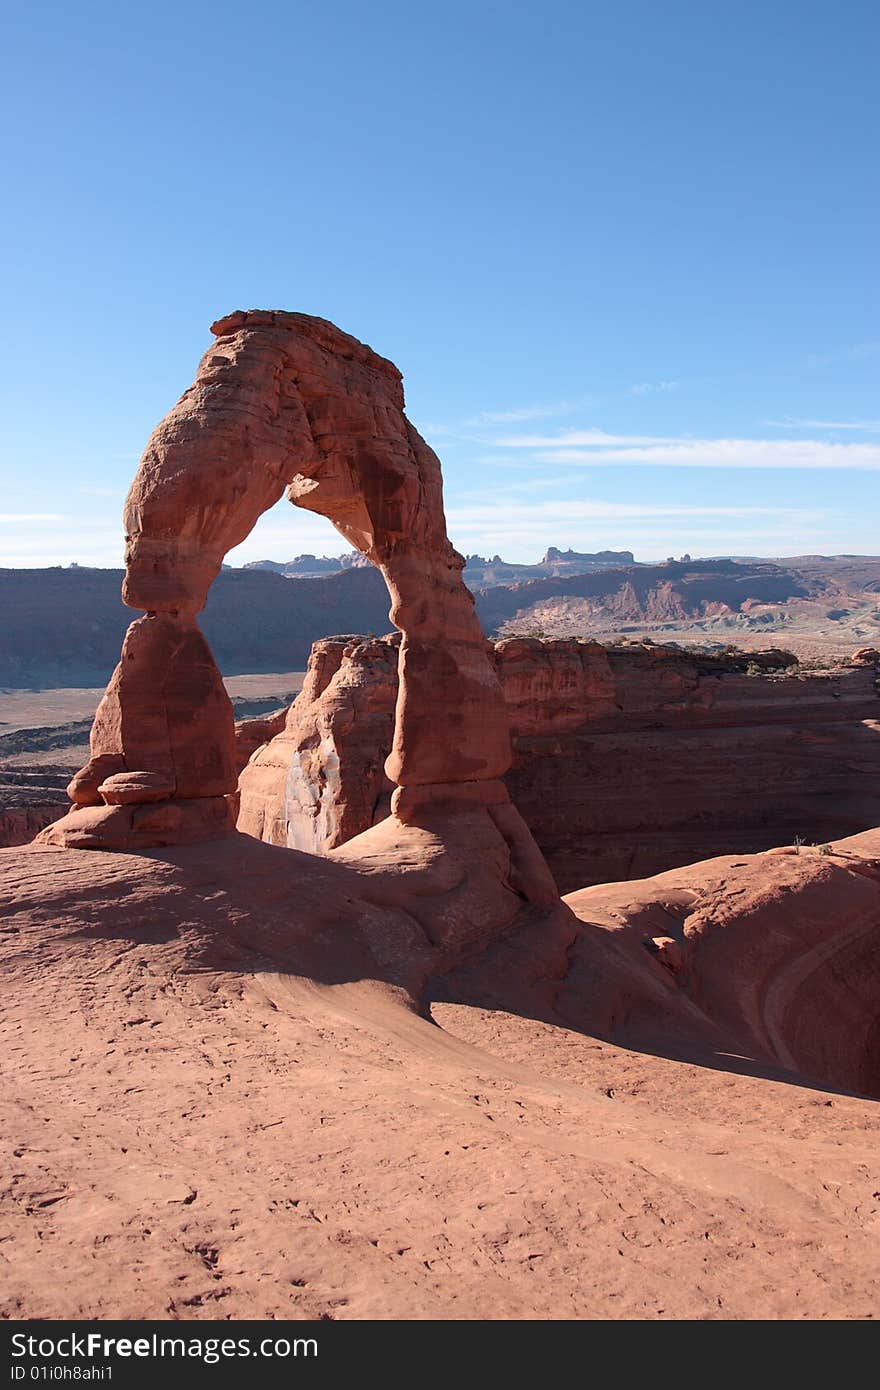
(281, 402)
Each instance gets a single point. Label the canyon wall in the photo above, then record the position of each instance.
(30, 799)
(19, 824)
(627, 760)
(64, 627)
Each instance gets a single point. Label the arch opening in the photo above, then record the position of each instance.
(285, 534)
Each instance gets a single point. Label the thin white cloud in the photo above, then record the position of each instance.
(513, 485)
(652, 388)
(585, 439)
(600, 449)
(856, 351)
(731, 453)
(523, 413)
(517, 415)
(102, 491)
(869, 426)
(590, 509)
(13, 518)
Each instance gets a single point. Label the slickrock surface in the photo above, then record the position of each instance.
(224, 1097)
(626, 760)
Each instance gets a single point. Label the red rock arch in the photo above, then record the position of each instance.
(281, 403)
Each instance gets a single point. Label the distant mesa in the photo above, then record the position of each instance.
(311, 566)
(482, 573)
(478, 572)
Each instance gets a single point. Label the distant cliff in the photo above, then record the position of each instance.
(64, 627)
(479, 572)
(310, 566)
(482, 573)
(653, 593)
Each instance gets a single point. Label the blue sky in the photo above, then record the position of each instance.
(625, 254)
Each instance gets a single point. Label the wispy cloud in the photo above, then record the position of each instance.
(854, 352)
(102, 491)
(548, 410)
(577, 439)
(591, 509)
(869, 426)
(516, 415)
(13, 518)
(513, 482)
(652, 388)
(599, 449)
(527, 412)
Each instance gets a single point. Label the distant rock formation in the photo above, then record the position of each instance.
(63, 628)
(311, 566)
(675, 591)
(626, 759)
(482, 573)
(477, 571)
(574, 562)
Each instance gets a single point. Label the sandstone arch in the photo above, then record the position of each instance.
(285, 402)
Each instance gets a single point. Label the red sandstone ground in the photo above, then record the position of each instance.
(220, 1101)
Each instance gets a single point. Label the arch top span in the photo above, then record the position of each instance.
(282, 403)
